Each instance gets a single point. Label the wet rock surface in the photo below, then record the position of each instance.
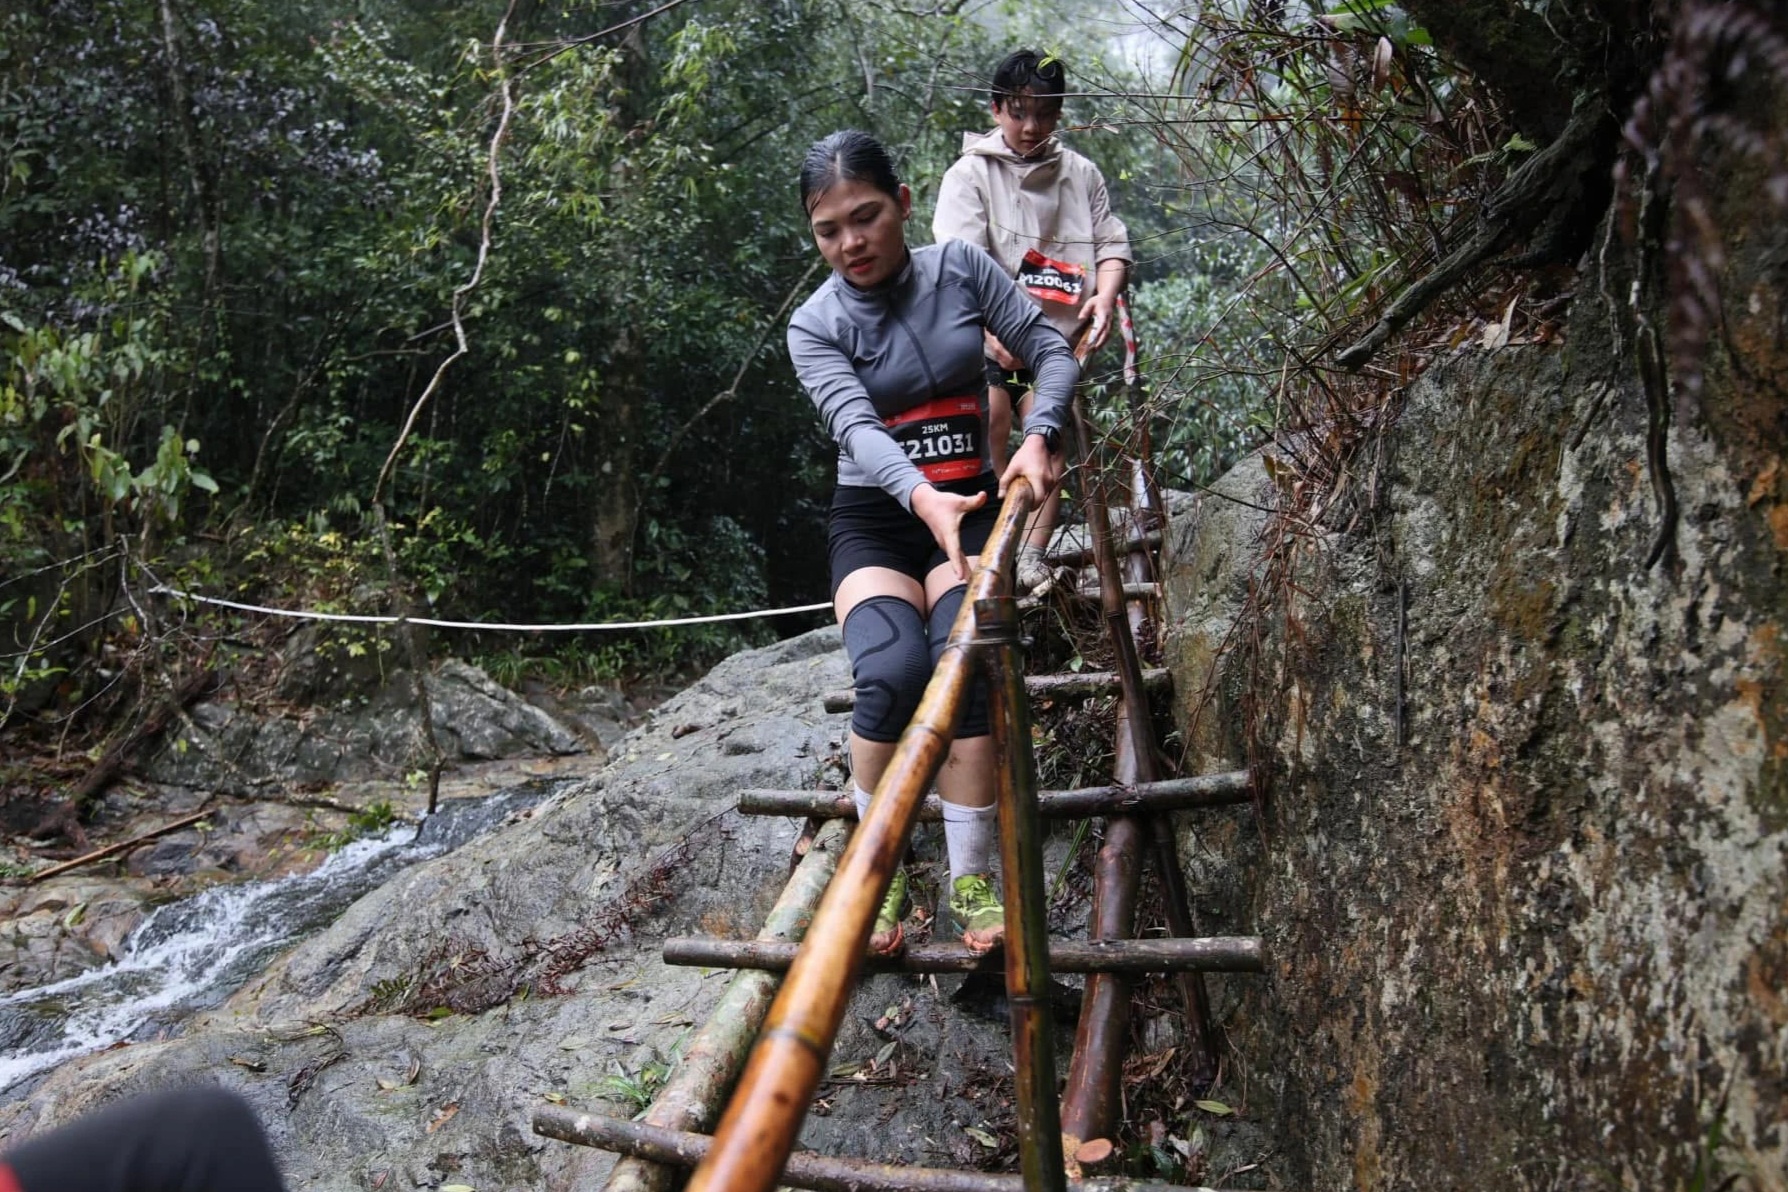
(279, 789)
(358, 1095)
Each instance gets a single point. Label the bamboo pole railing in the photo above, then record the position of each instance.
(764, 1115)
(1093, 1090)
(1094, 1083)
(1176, 903)
(751, 1150)
(1027, 908)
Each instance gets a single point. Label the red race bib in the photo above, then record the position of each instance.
(941, 437)
(1049, 280)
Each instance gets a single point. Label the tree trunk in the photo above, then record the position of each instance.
(198, 172)
(617, 448)
(617, 458)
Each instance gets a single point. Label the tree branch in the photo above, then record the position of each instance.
(407, 632)
(1544, 181)
(731, 390)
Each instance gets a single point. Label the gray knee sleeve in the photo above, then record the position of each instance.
(974, 708)
(884, 637)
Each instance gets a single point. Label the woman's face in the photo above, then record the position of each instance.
(861, 230)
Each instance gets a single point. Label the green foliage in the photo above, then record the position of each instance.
(732, 565)
(635, 1090)
(1208, 403)
(85, 397)
(375, 819)
(221, 328)
(1303, 167)
(11, 870)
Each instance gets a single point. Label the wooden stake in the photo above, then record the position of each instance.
(122, 846)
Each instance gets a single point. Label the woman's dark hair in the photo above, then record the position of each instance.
(1027, 70)
(846, 156)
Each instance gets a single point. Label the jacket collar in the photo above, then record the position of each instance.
(879, 293)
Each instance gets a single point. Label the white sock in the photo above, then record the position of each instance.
(860, 797)
(968, 836)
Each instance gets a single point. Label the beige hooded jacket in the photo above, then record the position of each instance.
(1046, 219)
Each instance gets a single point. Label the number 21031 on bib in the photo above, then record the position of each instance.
(942, 437)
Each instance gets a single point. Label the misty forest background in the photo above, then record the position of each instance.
(239, 240)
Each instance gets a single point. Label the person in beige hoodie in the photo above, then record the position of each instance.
(1041, 210)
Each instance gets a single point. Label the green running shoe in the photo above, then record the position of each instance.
(886, 937)
(977, 910)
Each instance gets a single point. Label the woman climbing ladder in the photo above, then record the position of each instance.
(890, 349)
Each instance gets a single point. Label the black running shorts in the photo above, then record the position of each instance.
(869, 528)
(1016, 382)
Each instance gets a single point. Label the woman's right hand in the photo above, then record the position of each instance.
(1001, 355)
(942, 514)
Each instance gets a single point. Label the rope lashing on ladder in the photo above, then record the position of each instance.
(367, 619)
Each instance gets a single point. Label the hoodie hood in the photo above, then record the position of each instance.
(993, 144)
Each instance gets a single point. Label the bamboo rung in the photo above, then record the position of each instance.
(1070, 686)
(1131, 592)
(1090, 595)
(804, 1169)
(1174, 794)
(1212, 954)
(1083, 556)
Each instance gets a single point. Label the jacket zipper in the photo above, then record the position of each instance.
(918, 348)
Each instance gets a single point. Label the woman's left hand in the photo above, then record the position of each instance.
(1034, 463)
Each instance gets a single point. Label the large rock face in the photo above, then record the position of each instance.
(361, 730)
(1531, 930)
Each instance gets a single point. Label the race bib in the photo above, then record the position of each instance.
(1049, 280)
(941, 437)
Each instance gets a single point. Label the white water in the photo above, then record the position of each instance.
(191, 955)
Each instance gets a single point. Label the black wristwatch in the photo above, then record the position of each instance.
(1052, 439)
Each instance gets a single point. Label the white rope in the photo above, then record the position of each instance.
(164, 590)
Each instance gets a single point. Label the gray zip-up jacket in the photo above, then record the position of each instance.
(866, 355)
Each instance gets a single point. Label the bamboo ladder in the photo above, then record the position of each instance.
(835, 897)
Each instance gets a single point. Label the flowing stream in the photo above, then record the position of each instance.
(191, 955)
